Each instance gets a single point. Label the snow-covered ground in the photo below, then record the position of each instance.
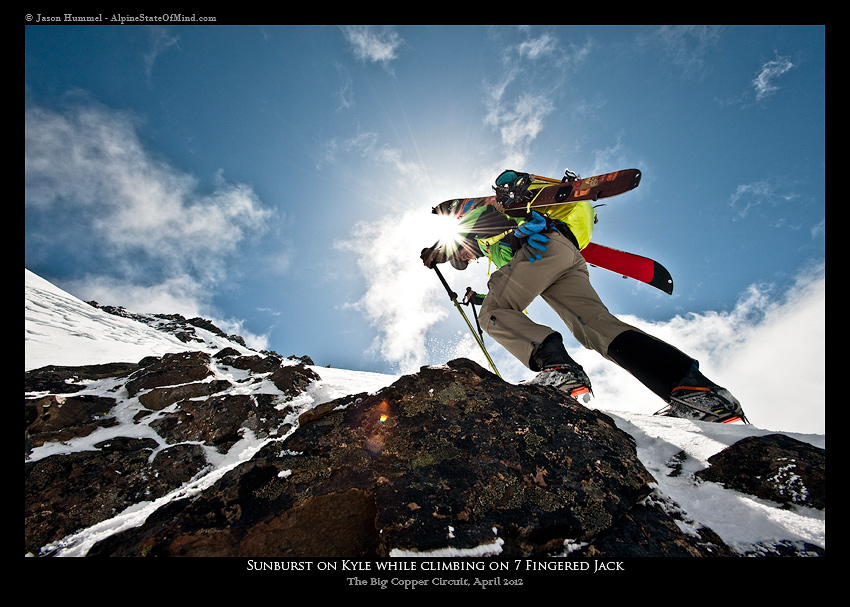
(62, 330)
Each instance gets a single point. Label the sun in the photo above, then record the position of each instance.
(446, 229)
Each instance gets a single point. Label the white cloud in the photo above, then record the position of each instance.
(686, 46)
(161, 39)
(763, 83)
(751, 195)
(769, 351)
(137, 216)
(176, 295)
(345, 94)
(373, 44)
(543, 45)
(819, 230)
(611, 156)
(401, 296)
(518, 101)
(518, 122)
(557, 55)
(91, 159)
(237, 327)
(367, 145)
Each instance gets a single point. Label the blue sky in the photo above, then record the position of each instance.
(279, 179)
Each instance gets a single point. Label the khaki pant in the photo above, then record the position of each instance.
(562, 280)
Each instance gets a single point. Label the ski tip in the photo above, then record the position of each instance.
(661, 279)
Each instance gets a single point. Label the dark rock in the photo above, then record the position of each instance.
(214, 421)
(256, 363)
(786, 548)
(227, 353)
(652, 529)
(775, 467)
(67, 380)
(203, 323)
(439, 459)
(303, 359)
(293, 379)
(66, 493)
(170, 370)
(160, 398)
(61, 418)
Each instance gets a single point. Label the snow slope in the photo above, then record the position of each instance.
(62, 330)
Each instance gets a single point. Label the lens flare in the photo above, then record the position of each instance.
(447, 230)
(375, 421)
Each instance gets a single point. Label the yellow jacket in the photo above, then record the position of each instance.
(579, 217)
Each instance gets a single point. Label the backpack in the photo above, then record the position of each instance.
(513, 187)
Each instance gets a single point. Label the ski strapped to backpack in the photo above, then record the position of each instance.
(517, 193)
(629, 265)
(524, 191)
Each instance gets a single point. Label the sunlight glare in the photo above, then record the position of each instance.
(447, 229)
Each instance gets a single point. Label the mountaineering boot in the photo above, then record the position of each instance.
(569, 379)
(558, 370)
(695, 397)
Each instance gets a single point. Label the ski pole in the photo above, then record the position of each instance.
(469, 295)
(453, 297)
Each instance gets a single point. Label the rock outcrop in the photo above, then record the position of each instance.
(448, 460)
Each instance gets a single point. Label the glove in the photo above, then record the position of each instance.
(534, 244)
(471, 297)
(432, 256)
(535, 226)
(535, 241)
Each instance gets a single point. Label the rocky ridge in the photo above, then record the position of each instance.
(450, 458)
